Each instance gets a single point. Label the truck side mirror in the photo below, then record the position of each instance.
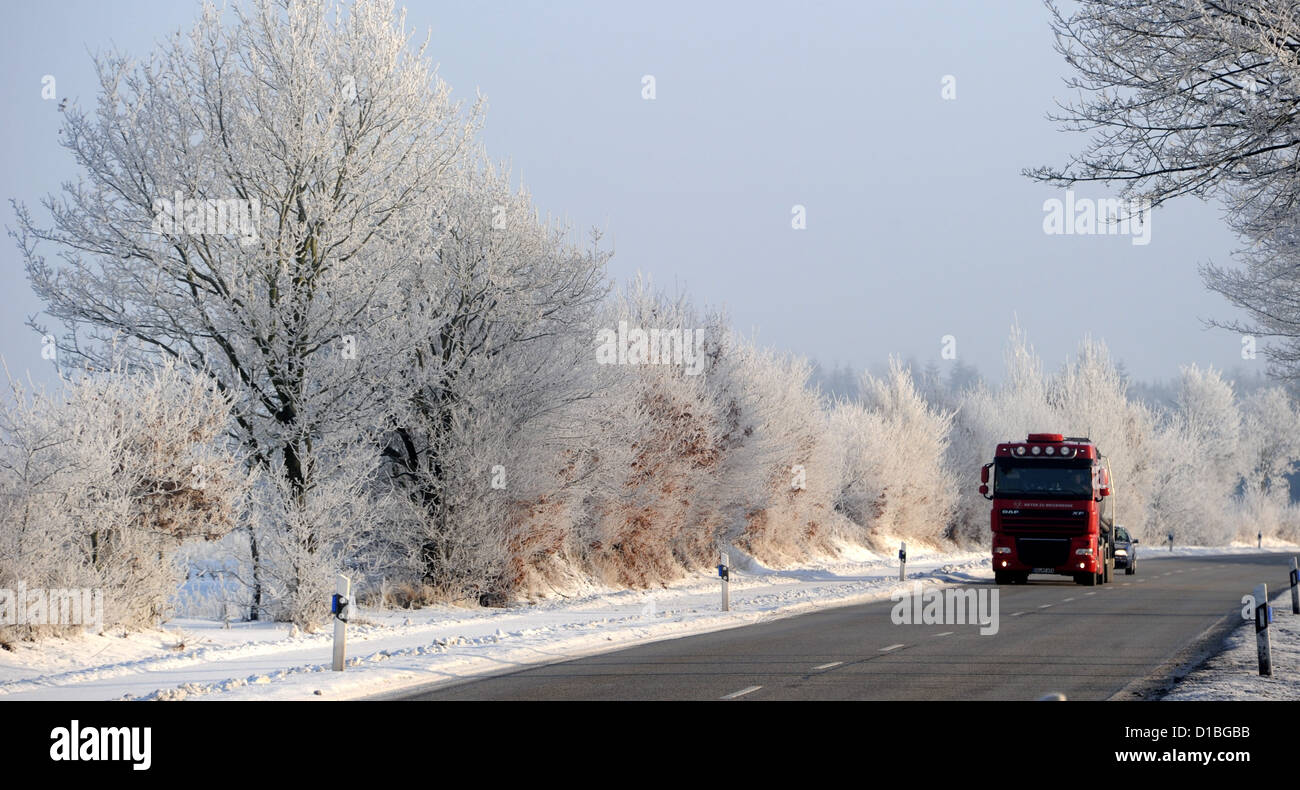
(984, 490)
(1105, 491)
(984, 475)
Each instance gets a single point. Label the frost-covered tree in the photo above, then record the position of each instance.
(103, 479)
(1266, 286)
(895, 478)
(1270, 438)
(1203, 452)
(781, 463)
(1270, 454)
(1197, 97)
(251, 197)
(1207, 410)
(1175, 504)
(664, 432)
(495, 363)
(724, 446)
(1183, 97)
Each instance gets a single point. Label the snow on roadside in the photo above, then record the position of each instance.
(1234, 672)
(393, 649)
(1151, 550)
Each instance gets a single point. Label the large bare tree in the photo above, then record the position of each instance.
(1198, 97)
(250, 201)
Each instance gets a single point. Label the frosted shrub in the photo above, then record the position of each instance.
(895, 479)
(103, 480)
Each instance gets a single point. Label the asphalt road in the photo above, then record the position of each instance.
(1120, 640)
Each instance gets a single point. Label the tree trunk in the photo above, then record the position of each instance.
(256, 609)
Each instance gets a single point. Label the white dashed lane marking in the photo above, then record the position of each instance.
(742, 692)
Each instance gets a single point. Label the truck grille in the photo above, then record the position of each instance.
(1044, 523)
(1043, 552)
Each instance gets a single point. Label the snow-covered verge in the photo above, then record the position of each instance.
(1234, 672)
(390, 650)
(1239, 547)
(1269, 544)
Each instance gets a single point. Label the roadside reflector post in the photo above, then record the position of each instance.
(724, 573)
(1260, 539)
(902, 561)
(1295, 586)
(1171, 541)
(1261, 631)
(340, 607)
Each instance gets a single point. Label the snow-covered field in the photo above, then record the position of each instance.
(1234, 672)
(389, 650)
(395, 649)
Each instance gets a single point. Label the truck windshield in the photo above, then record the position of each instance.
(1052, 479)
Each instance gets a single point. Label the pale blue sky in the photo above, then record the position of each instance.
(919, 224)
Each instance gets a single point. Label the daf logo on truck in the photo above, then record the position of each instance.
(1053, 509)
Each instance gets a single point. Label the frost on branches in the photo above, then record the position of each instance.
(101, 482)
(1197, 97)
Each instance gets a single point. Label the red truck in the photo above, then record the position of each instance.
(1053, 509)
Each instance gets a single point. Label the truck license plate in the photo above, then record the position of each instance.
(1044, 570)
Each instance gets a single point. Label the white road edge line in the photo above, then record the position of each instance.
(828, 666)
(891, 647)
(742, 692)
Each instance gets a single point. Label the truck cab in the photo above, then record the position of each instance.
(1053, 509)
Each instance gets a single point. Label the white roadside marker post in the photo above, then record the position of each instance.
(1261, 631)
(902, 561)
(340, 605)
(725, 575)
(1295, 586)
(1260, 538)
